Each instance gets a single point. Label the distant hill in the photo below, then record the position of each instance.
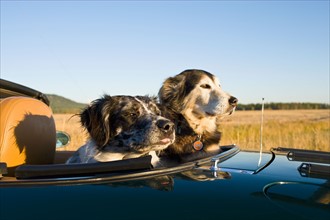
(61, 105)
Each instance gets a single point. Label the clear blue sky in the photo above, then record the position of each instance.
(278, 50)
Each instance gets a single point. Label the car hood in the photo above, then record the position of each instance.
(237, 187)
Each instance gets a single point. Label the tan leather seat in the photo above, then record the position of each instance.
(27, 132)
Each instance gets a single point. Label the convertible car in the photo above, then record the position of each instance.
(35, 182)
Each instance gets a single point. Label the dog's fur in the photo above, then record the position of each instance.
(195, 102)
(123, 127)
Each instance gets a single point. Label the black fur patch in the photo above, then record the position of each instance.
(175, 89)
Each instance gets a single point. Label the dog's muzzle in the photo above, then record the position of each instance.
(233, 101)
(165, 126)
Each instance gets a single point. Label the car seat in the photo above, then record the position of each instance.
(27, 132)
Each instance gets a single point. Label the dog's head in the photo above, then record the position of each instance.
(127, 123)
(196, 92)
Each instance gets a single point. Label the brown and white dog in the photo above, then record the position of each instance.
(195, 102)
(122, 127)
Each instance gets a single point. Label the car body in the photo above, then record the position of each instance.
(282, 184)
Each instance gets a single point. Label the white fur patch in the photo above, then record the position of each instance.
(154, 158)
(204, 104)
(143, 105)
(84, 154)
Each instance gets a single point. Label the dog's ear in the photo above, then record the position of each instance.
(172, 92)
(96, 119)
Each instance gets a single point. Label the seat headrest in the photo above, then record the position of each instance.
(27, 132)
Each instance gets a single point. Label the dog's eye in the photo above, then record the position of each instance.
(130, 114)
(205, 86)
(133, 115)
(158, 113)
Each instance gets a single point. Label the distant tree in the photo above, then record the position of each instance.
(283, 106)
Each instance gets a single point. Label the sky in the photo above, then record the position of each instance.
(277, 50)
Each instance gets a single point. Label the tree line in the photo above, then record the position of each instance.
(60, 104)
(283, 106)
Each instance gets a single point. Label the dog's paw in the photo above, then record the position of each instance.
(154, 159)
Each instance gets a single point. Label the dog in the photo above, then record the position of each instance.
(122, 127)
(195, 102)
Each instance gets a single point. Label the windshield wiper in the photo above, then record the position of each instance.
(314, 170)
(304, 155)
(249, 171)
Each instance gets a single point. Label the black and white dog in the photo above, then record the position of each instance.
(122, 127)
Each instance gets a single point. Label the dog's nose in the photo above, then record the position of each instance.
(165, 125)
(233, 101)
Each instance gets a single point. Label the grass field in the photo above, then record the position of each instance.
(303, 129)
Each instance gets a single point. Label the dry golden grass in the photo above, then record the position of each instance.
(71, 125)
(304, 129)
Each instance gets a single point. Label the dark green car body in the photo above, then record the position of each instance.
(277, 189)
